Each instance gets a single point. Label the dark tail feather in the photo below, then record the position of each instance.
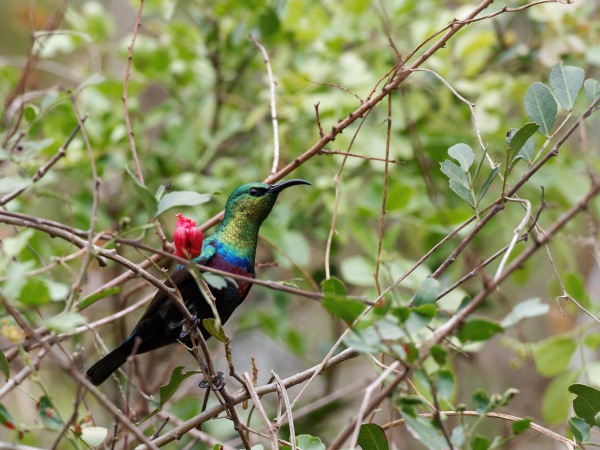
(104, 368)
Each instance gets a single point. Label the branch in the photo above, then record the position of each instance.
(244, 396)
(273, 105)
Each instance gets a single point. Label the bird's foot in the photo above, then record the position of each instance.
(185, 330)
(217, 383)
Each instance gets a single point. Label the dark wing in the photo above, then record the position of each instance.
(181, 277)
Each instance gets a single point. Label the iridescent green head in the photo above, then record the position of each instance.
(253, 202)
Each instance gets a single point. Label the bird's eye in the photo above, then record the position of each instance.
(254, 192)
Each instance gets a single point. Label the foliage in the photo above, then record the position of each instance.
(427, 241)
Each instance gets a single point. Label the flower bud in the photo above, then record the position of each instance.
(187, 238)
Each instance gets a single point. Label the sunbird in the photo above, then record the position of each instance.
(231, 248)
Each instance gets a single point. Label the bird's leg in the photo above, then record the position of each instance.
(217, 382)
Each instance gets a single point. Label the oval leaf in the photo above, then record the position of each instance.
(580, 429)
(587, 403)
(566, 82)
(592, 89)
(94, 436)
(214, 328)
(521, 136)
(478, 330)
(336, 302)
(148, 200)
(372, 437)
(541, 107)
(180, 198)
(308, 442)
(552, 356)
(428, 292)
(463, 154)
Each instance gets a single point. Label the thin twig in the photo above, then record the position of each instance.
(62, 151)
(534, 426)
(288, 408)
(273, 104)
(241, 396)
(318, 118)
(130, 133)
(384, 196)
(89, 254)
(365, 157)
(516, 234)
(67, 365)
(261, 412)
(365, 107)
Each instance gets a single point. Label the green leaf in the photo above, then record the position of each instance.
(592, 89)
(94, 436)
(533, 307)
(57, 291)
(419, 317)
(487, 183)
(556, 402)
(428, 292)
(580, 429)
(216, 281)
(439, 354)
(518, 426)
(17, 278)
(552, 355)
(13, 246)
(30, 112)
(308, 442)
(478, 330)
(6, 419)
(372, 437)
(480, 443)
(463, 154)
(166, 391)
(180, 198)
(214, 328)
(336, 302)
(566, 81)
(462, 192)
(64, 322)
(445, 384)
(482, 402)
(147, 198)
(454, 173)
(458, 181)
(34, 293)
(458, 437)
(541, 107)
(587, 403)
(423, 430)
(47, 414)
(93, 298)
(520, 138)
(4, 365)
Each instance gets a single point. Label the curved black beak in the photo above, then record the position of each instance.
(276, 188)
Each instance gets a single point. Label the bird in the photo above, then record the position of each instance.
(231, 248)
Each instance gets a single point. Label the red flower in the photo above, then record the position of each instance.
(187, 238)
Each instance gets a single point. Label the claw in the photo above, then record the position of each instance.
(217, 383)
(186, 331)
